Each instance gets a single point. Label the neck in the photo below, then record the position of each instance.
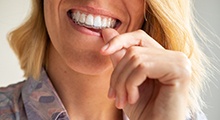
(84, 96)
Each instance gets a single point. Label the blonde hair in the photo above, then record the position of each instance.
(29, 41)
(172, 25)
(168, 22)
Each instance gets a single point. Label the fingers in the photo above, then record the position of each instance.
(116, 44)
(136, 38)
(115, 47)
(136, 57)
(108, 35)
(126, 80)
(170, 68)
(119, 77)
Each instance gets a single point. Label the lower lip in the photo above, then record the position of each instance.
(84, 30)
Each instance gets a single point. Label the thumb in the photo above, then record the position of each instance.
(107, 35)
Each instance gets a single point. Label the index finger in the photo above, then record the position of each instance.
(126, 40)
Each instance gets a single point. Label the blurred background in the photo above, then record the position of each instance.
(13, 12)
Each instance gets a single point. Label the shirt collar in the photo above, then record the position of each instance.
(41, 100)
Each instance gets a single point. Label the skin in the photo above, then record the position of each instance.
(97, 76)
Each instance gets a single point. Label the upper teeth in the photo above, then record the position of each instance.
(92, 21)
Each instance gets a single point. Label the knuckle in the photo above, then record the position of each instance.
(146, 67)
(185, 78)
(187, 71)
(136, 58)
(142, 66)
(182, 57)
(184, 64)
(183, 72)
(131, 51)
(141, 31)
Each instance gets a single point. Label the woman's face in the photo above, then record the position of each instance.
(74, 29)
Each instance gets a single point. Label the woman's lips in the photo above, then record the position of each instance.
(92, 22)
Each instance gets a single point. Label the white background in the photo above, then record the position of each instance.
(13, 12)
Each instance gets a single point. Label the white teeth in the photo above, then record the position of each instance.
(92, 21)
(77, 16)
(104, 22)
(82, 18)
(109, 22)
(98, 22)
(89, 20)
(113, 22)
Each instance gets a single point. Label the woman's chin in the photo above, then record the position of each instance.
(92, 68)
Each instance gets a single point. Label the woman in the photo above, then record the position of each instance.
(99, 59)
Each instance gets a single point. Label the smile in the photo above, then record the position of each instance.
(93, 21)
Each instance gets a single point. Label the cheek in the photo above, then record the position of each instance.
(135, 9)
(51, 17)
(137, 12)
(52, 21)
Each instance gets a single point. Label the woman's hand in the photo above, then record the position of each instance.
(148, 81)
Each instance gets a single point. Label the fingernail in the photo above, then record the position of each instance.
(104, 48)
(117, 102)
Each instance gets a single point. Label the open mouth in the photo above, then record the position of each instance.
(93, 22)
